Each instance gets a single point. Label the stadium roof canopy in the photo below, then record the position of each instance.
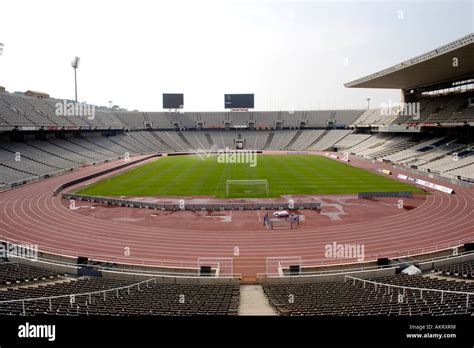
(435, 66)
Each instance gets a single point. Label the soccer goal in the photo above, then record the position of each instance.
(246, 188)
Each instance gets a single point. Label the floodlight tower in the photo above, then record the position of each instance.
(368, 103)
(75, 65)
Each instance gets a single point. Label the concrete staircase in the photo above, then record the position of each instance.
(254, 302)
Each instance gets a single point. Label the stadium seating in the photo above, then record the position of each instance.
(370, 143)
(433, 152)
(131, 119)
(458, 158)
(446, 156)
(158, 120)
(346, 117)
(351, 140)
(353, 298)
(12, 116)
(463, 270)
(152, 132)
(449, 108)
(13, 273)
(53, 155)
(30, 167)
(124, 297)
(18, 110)
(411, 151)
(390, 146)
(377, 116)
(329, 139)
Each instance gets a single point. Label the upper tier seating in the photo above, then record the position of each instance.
(450, 108)
(17, 110)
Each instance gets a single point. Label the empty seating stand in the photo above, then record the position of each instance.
(124, 298)
(13, 273)
(353, 298)
(462, 270)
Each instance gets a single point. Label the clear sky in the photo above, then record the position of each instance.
(291, 54)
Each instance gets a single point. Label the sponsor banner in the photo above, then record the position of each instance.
(402, 176)
(28, 128)
(434, 186)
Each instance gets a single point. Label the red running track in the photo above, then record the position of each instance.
(31, 214)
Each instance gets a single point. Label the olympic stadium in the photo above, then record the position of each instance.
(107, 191)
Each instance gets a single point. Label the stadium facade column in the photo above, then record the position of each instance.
(402, 97)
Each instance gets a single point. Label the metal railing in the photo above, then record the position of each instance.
(72, 297)
(404, 288)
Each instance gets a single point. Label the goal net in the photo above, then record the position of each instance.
(246, 188)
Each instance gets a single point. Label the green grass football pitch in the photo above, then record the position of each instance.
(285, 174)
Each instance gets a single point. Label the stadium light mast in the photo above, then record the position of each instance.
(110, 104)
(368, 103)
(75, 65)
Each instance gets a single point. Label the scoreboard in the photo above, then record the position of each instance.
(239, 101)
(173, 100)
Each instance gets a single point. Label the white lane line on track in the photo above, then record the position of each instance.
(29, 202)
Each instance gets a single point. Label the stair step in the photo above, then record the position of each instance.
(254, 302)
